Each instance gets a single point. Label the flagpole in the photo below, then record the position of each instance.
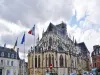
(34, 51)
(24, 57)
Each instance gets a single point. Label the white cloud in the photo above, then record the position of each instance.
(17, 15)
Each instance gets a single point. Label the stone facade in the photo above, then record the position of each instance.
(56, 48)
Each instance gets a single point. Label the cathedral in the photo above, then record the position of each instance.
(56, 48)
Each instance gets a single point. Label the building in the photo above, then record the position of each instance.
(23, 70)
(85, 56)
(56, 48)
(9, 61)
(96, 56)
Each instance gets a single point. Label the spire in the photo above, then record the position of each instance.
(75, 42)
(37, 39)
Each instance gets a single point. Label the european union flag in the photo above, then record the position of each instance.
(23, 39)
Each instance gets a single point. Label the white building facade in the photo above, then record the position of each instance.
(9, 61)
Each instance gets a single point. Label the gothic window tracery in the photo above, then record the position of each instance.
(50, 41)
(39, 61)
(46, 60)
(52, 60)
(61, 61)
(49, 59)
(36, 61)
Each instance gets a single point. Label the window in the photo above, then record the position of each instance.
(49, 47)
(2, 54)
(99, 51)
(36, 61)
(1, 62)
(12, 63)
(46, 60)
(12, 55)
(8, 54)
(8, 62)
(61, 61)
(8, 72)
(50, 41)
(49, 59)
(95, 65)
(96, 52)
(39, 61)
(52, 60)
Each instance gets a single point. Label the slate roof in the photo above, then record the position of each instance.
(10, 51)
(96, 50)
(60, 28)
(83, 47)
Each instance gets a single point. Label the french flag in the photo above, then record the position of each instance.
(32, 31)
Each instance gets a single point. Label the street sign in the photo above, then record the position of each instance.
(50, 66)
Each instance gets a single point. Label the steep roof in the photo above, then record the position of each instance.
(83, 47)
(8, 50)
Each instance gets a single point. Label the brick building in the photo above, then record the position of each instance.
(96, 56)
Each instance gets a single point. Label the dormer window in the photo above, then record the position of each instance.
(2, 54)
(12, 56)
(12, 63)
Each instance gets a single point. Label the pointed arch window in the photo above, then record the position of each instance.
(61, 61)
(39, 61)
(46, 60)
(50, 41)
(49, 59)
(52, 60)
(36, 61)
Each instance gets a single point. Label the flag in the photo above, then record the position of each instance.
(32, 31)
(23, 39)
(15, 44)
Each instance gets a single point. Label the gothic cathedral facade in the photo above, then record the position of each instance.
(56, 48)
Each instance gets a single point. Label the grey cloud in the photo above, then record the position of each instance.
(35, 11)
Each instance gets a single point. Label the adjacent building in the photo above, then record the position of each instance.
(9, 61)
(96, 56)
(56, 48)
(23, 67)
(85, 56)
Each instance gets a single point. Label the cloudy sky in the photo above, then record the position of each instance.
(18, 16)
